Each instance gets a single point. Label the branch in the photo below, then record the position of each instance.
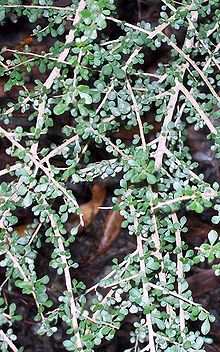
(183, 198)
(136, 109)
(39, 7)
(44, 169)
(25, 278)
(145, 290)
(145, 285)
(158, 155)
(59, 148)
(180, 274)
(194, 103)
(55, 73)
(8, 341)
(194, 65)
(68, 281)
(159, 256)
(150, 34)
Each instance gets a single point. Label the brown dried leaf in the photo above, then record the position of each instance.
(24, 41)
(91, 208)
(112, 229)
(23, 230)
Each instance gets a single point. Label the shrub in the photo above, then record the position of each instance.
(93, 86)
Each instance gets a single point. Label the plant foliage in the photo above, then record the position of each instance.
(95, 86)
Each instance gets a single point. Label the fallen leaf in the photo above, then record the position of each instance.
(27, 40)
(112, 229)
(91, 208)
(23, 230)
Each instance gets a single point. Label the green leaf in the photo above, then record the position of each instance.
(151, 166)
(2, 14)
(124, 106)
(27, 201)
(197, 207)
(107, 70)
(119, 73)
(216, 219)
(205, 328)
(212, 236)
(8, 85)
(151, 179)
(69, 345)
(87, 97)
(60, 108)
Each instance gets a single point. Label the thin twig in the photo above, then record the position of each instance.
(8, 341)
(10, 169)
(140, 251)
(158, 155)
(25, 278)
(180, 274)
(46, 56)
(145, 292)
(40, 7)
(174, 294)
(68, 280)
(158, 287)
(55, 73)
(194, 103)
(39, 165)
(99, 322)
(109, 275)
(136, 109)
(35, 234)
(110, 88)
(59, 148)
(169, 202)
(194, 65)
(178, 162)
(158, 255)
(150, 34)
